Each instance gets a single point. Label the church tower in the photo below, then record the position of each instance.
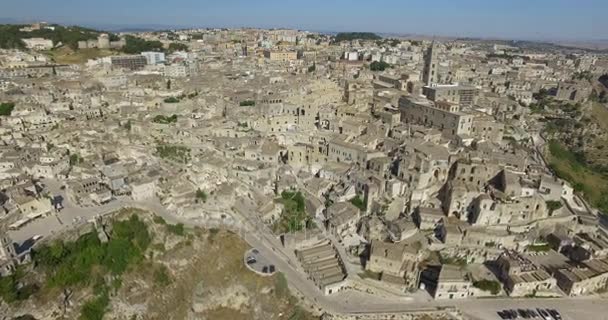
(429, 74)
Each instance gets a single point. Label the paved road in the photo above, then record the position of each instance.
(257, 235)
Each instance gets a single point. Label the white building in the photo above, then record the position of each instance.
(38, 43)
(154, 57)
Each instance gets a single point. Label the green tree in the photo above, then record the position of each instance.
(349, 36)
(379, 66)
(488, 285)
(176, 46)
(201, 195)
(6, 108)
(96, 308)
(135, 45)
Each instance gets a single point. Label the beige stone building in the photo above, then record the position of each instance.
(396, 263)
(590, 277)
(441, 115)
(453, 283)
(283, 56)
(521, 277)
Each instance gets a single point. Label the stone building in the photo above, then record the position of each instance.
(453, 283)
(573, 91)
(463, 95)
(521, 277)
(396, 263)
(589, 277)
(441, 115)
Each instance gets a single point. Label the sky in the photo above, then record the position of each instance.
(508, 19)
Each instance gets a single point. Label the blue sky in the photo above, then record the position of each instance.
(520, 19)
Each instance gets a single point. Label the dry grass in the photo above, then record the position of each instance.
(65, 55)
(214, 259)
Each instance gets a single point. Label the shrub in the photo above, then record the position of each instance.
(488, 285)
(6, 108)
(161, 276)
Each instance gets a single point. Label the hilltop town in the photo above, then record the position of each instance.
(382, 177)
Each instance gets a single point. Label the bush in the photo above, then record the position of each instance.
(553, 205)
(176, 46)
(175, 153)
(159, 220)
(164, 119)
(488, 285)
(177, 229)
(379, 66)
(171, 100)
(96, 308)
(247, 103)
(161, 276)
(359, 203)
(201, 195)
(72, 263)
(293, 217)
(6, 108)
(135, 45)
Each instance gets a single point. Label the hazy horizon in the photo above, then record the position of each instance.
(517, 19)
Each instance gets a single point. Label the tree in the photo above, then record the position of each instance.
(6, 108)
(349, 36)
(553, 205)
(176, 46)
(488, 285)
(312, 68)
(135, 45)
(379, 66)
(96, 308)
(201, 195)
(171, 100)
(359, 203)
(169, 84)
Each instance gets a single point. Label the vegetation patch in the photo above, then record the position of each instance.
(176, 153)
(247, 103)
(134, 45)
(539, 248)
(164, 119)
(6, 108)
(379, 66)
(588, 180)
(554, 205)
(488, 285)
(349, 36)
(294, 217)
(201, 195)
(359, 203)
(11, 37)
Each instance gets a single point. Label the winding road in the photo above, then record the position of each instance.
(257, 235)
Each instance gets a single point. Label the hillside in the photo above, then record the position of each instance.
(349, 36)
(148, 270)
(577, 136)
(11, 36)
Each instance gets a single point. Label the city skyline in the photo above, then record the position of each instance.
(538, 20)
